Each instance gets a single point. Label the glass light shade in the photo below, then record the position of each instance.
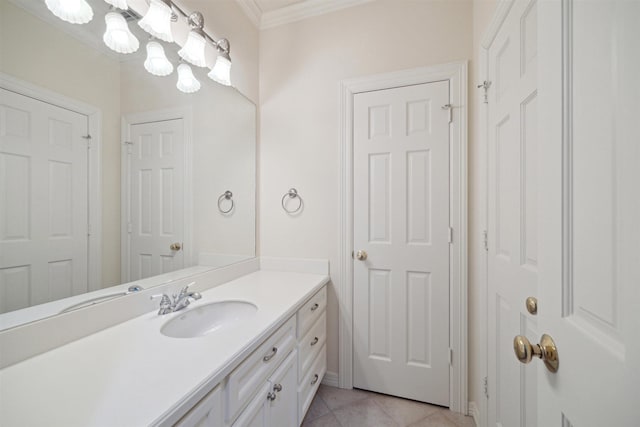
(120, 4)
(193, 49)
(157, 21)
(221, 71)
(187, 82)
(73, 11)
(157, 62)
(118, 36)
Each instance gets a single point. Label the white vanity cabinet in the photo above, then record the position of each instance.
(275, 384)
(275, 404)
(312, 358)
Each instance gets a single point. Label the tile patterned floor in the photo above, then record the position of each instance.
(335, 407)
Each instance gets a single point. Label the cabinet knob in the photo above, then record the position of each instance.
(315, 379)
(315, 341)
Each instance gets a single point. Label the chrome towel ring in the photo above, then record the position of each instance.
(292, 194)
(227, 195)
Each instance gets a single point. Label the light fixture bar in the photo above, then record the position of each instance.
(202, 31)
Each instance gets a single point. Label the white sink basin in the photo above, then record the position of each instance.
(205, 319)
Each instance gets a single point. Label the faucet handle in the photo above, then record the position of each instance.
(186, 289)
(165, 302)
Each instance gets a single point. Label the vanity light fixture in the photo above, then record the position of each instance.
(118, 37)
(72, 11)
(120, 4)
(157, 62)
(193, 49)
(157, 20)
(187, 82)
(221, 71)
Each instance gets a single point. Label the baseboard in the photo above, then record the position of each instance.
(474, 412)
(331, 379)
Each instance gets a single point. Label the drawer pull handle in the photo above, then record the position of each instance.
(268, 357)
(315, 341)
(277, 387)
(315, 379)
(314, 307)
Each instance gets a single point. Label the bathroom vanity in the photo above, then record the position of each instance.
(260, 369)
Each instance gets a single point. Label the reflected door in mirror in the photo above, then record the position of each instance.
(156, 170)
(43, 202)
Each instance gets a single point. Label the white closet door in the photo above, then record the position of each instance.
(401, 219)
(43, 202)
(156, 217)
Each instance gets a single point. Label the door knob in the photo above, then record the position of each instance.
(361, 255)
(546, 350)
(532, 305)
(175, 246)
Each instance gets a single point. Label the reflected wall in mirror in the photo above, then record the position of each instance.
(142, 196)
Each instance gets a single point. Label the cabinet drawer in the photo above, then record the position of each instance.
(310, 383)
(311, 344)
(311, 311)
(247, 378)
(206, 413)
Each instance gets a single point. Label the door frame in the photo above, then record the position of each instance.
(128, 120)
(94, 165)
(456, 74)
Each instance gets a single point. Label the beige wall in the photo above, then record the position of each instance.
(301, 65)
(51, 59)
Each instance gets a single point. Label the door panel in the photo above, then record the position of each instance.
(590, 205)
(512, 213)
(43, 202)
(401, 219)
(156, 216)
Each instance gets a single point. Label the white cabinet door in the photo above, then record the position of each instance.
(156, 165)
(255, 414)
(43, 202)
(283, 403)
(401, 219)
(206, 413)
(590, 207)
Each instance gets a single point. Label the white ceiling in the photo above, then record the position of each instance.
(272, 13)
(271, 5)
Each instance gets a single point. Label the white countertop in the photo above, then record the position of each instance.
(132, 375)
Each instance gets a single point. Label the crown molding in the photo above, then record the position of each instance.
(252, 10)
(293, 13)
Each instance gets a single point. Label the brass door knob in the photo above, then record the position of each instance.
(361, 255)
(175, 246)
(532, 305)
(546, 350)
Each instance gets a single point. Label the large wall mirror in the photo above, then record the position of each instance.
(110, 177)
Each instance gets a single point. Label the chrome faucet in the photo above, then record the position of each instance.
(176, 302)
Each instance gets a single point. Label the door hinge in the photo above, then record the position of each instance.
(485, 236)
(88, 230)
(450, 235)
(129, 144)
(485, 386)
(449, 109)
(88, 138)
(485, 85)
(129, 227)
(450, 357)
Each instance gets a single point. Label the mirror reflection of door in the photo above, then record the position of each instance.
(44, 202)
(156, 175)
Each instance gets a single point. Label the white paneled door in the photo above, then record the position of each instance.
(43, 202)
(512, 214)
(590, 212)
(401, 239)
(156, 228)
